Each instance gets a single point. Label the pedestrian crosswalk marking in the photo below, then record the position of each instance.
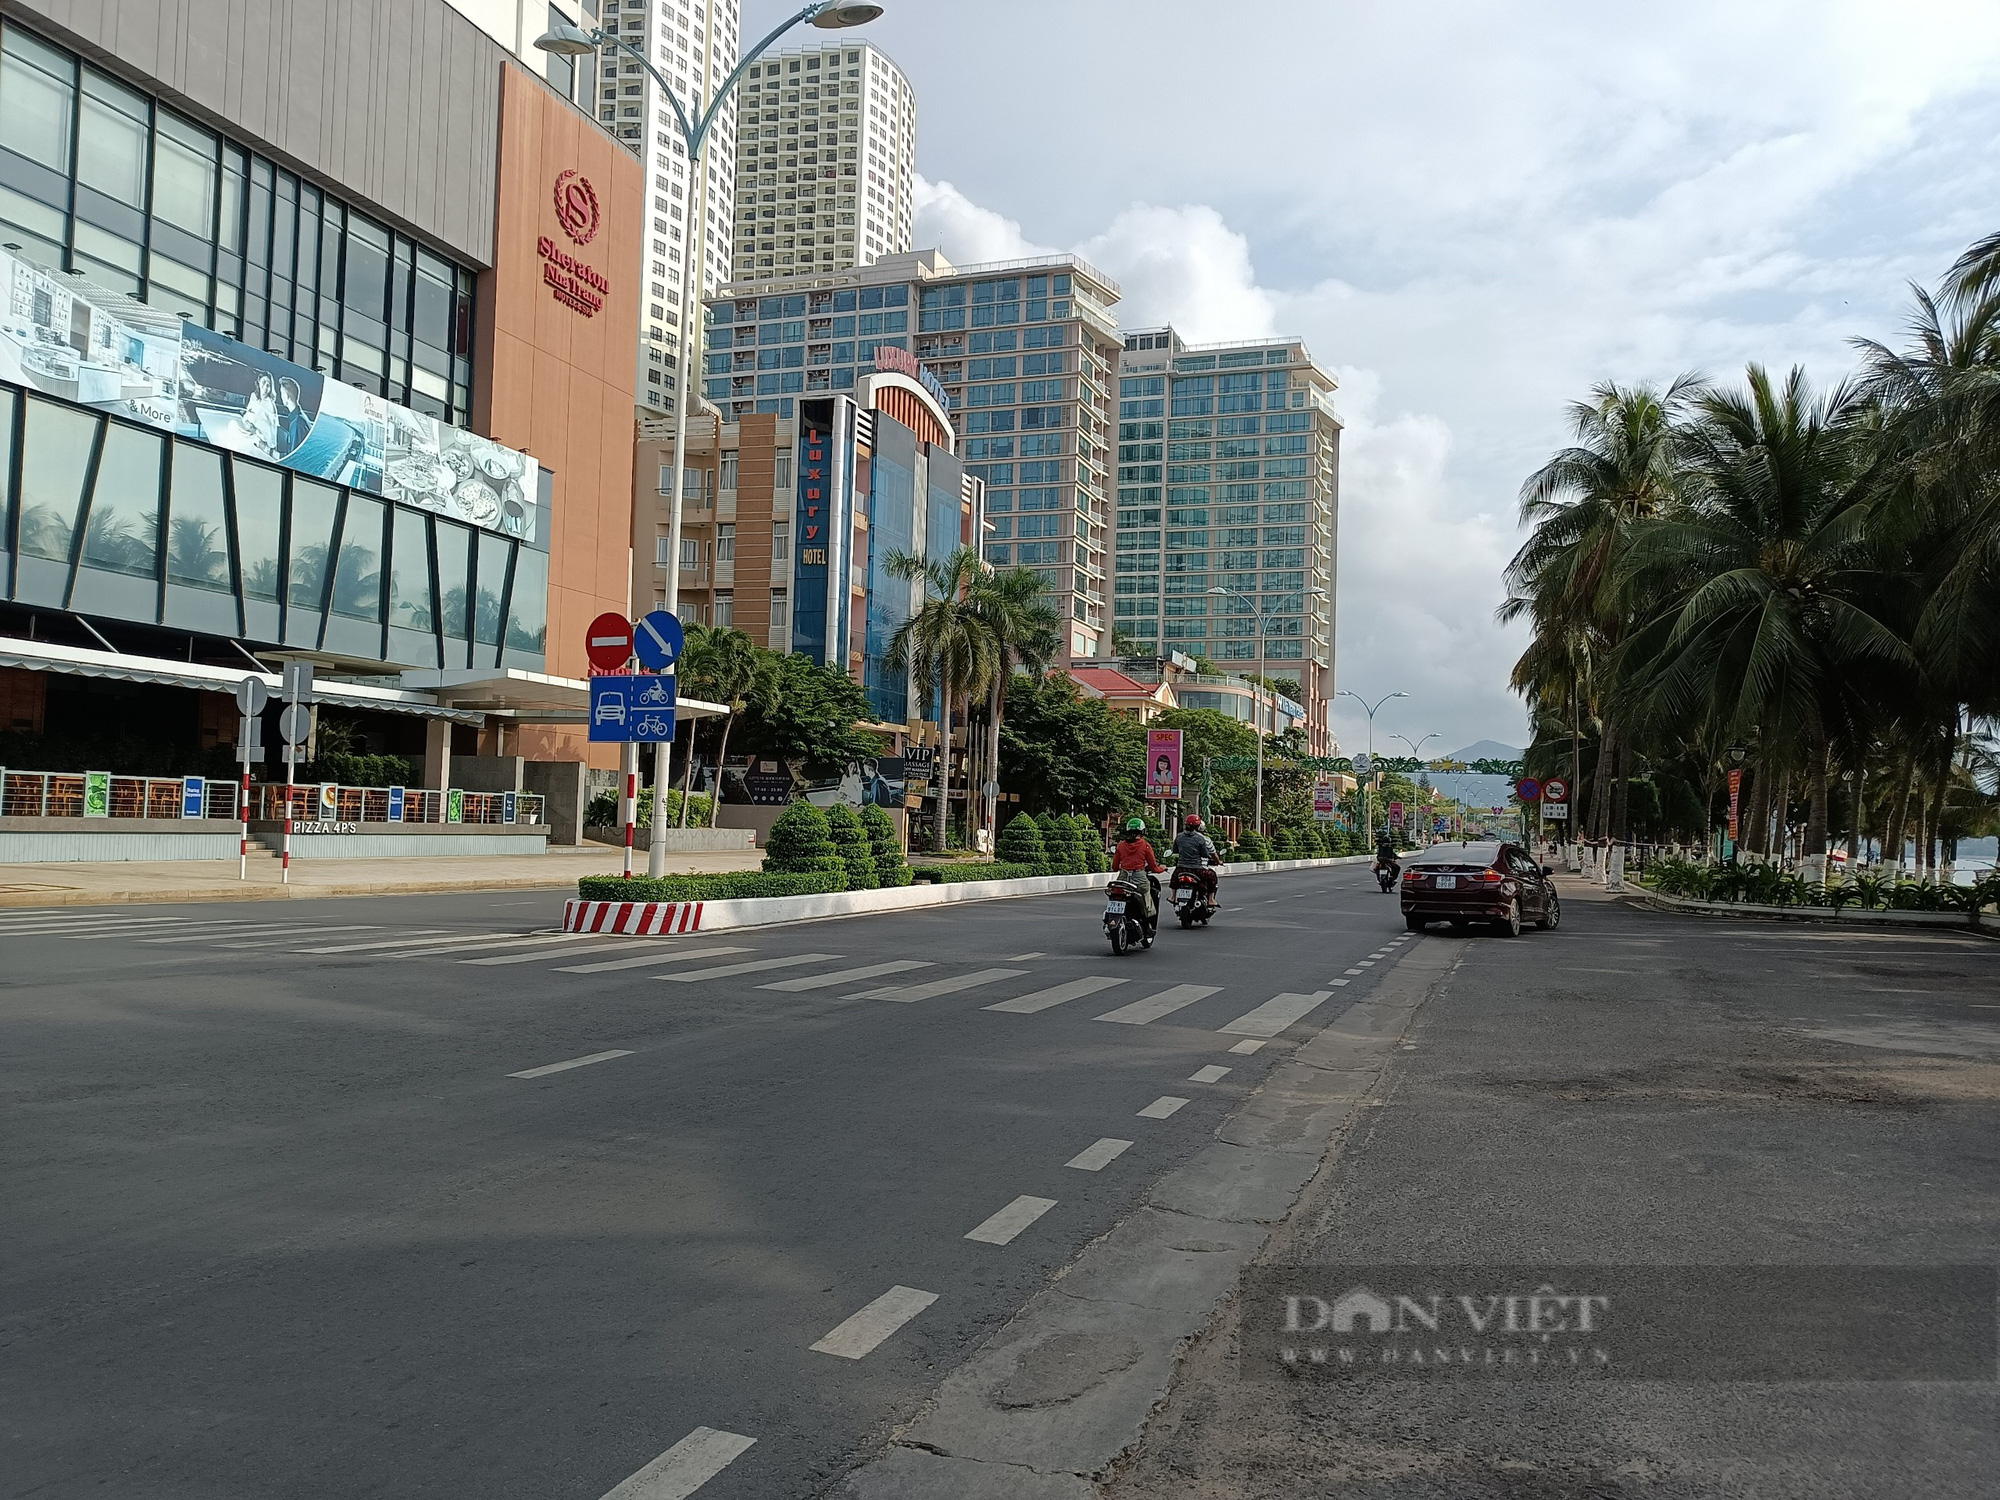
(1275, 1014)
(408, 940)
(1075, 989)
(605, 966)
(542, 941)
(746, 968)
(1141, 1012)
(906, 994)
(845, 976)
(239, 936)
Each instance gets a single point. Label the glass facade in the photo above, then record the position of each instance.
(108, 183)
(1225, 481)
(107, 518)
(763, 353)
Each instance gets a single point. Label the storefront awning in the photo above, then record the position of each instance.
(46, 656)
(526, 697)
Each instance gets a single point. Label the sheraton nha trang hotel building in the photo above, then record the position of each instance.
(318, 336)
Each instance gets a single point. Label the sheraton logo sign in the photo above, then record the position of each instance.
(570, 281)
(576, 207)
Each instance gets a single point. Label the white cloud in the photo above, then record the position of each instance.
(965, 232)
(1185, 266)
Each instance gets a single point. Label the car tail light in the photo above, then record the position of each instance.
(1489, 877)
(1409, 874)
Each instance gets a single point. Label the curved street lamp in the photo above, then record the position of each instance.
(1256, 705)
(565, 40)
(1367, 798)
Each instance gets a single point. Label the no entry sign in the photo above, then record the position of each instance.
(1555, 789)
(608, 642)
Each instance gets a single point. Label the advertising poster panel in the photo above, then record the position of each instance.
(71, 338)
(1326, 800)
(1163, 764)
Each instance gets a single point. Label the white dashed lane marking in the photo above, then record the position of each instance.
(564, 1067)
(1161, 1107)
(1011, 1220)
(865, 1331)
(685, 1467)
(1094, 1158)
(1213, 1073)
(1250, 1046)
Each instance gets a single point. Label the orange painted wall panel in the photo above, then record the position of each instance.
(557, 381)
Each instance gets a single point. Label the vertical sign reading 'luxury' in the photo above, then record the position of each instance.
(809, 571)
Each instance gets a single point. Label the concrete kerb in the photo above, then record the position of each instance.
(1052, 1400)
(649, 918)
(1846, 916)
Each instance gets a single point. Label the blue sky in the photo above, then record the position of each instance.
(1472, 210)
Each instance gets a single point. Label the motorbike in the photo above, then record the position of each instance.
(1124, 912)
(1387, 875)
(1190, 899)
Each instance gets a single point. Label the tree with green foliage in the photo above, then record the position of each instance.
(801, 843)
(802, 711)
(1020, 842)
(885, 848)
(851, 844)
(1012, 603)
(1063, 752)
(721, 665)
(1206, 733)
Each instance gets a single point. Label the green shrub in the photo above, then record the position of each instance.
(958, 874)
(1256, 848)
(1312, 843)
(602, 811)
(1285, 845)
(1060, 853)
(1079, 837)
(364, 770)
(800, 843)
(884, 848)
(1020, 842)
(851, 844)
(1091, 840)
(727, 885)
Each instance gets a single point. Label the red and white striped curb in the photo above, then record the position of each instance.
(632, 918)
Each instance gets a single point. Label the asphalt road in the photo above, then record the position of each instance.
(281, 1216)
(1641, 1089)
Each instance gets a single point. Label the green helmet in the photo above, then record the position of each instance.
(1135, 825)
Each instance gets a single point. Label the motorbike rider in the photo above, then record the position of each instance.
(1195, 851)
(1134, 851)
(1385, 854)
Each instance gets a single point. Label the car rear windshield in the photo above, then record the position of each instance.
(1466, 856)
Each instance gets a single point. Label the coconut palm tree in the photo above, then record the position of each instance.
(1766, 581)
(1013, 605)
(947, 647)
(1582, 506)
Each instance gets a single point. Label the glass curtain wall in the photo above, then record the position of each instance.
(123, 522)
(103, 181)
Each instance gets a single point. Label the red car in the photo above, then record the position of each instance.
(1464, 883)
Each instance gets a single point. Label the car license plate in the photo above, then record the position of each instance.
(1447, 882)
(1114, 908)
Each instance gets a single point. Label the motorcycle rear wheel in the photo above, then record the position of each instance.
(1118, 939)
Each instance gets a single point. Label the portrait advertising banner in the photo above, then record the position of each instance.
(1163, 764)
(74, 339)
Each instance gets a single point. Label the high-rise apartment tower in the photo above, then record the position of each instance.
(695, 44)
(826, 155)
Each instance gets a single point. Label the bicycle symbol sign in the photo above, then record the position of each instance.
(631, 707)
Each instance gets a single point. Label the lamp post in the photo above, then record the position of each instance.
(566, 40)
(1417, 754)
(1256, 703)
(1367, 800)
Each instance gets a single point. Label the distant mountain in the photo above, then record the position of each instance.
(1486, 750)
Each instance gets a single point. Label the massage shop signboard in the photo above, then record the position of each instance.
(68, 337)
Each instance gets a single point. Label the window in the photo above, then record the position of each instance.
(781, 541)
(725, 608)
(690, 554)
(728, 480)
(780, 621)
(661, 552)
(725, 542)
(781, 473)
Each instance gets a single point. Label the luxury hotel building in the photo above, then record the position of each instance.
(1019, 355)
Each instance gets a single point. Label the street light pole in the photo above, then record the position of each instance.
(1367, 797)
(570, 41)
(1256, 703)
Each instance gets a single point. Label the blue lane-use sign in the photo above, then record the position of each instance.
(632, 708)
(657, 639)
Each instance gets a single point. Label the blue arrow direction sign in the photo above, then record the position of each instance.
(632, 708)
(658, 639)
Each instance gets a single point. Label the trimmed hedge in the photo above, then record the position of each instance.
(1020, 841)
(851, 843)
(887, 851)
(801, 844)
(998, 870)
(727, 885)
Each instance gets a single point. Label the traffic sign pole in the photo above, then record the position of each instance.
(628, 756)
(251, 696)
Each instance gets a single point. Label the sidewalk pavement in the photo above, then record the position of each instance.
(115, 882)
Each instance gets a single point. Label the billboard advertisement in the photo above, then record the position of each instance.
(1163, 764)
(1326, 800)
(68, 337)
